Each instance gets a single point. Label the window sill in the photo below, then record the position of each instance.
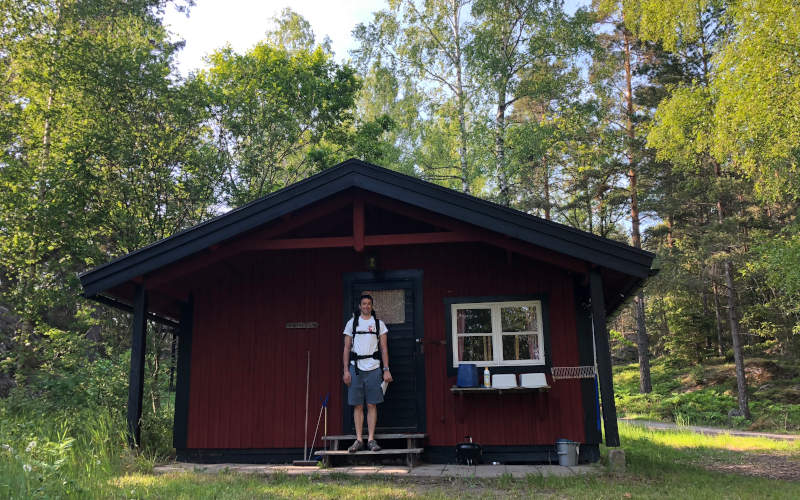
(493, 390)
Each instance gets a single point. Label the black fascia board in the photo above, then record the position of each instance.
(213, 231)
(355, 173)
(525, 227)
(474, 204)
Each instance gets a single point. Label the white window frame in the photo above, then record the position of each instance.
(497, 333)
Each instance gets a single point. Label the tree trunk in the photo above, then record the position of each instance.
(670, 238)
(643, 345)
(462, 119)
(173, 357)
(46, 138)
(741, 381)
(500, 149)
(733, 321)
(546, 184)
(705, 314)
(718, 315)
(645, 386)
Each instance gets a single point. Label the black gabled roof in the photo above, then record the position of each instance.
(355, 173)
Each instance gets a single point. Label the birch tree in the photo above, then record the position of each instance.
(425, 42)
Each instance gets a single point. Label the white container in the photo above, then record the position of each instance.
(504, 381)
(533, 380)
(487, 377)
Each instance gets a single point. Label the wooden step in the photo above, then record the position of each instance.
(377, 436)
(398, 451)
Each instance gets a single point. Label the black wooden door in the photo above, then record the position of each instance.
(398, 303)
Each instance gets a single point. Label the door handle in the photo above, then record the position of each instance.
(421, 346)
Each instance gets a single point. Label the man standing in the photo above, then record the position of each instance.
(361, 361)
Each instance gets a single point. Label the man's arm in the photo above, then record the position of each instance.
(387, 375)
(348, 342)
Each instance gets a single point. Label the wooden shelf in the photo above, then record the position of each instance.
(492, 390)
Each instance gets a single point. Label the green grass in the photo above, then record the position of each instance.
(660, 464)
(703, 394)
(46, 456)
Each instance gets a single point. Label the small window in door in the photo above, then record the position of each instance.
(390, 305)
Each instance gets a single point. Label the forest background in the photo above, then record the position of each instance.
(670, 125)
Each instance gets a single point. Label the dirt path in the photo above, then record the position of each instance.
(713, 431)
(772, 466)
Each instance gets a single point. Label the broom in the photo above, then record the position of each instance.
(324, 407)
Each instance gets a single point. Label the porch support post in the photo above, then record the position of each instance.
(181, 424)
(136, 377)
(603, 358)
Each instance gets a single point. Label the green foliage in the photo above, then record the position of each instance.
(292, 32)
(104, 150)
(776, 261)
(48, 452)
(703, 395)
(759, 95)
(659, 463)
(62, 431)
(422, 47)
(274, 110)
(722, 131)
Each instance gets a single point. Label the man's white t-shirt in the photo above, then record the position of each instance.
(365, 344)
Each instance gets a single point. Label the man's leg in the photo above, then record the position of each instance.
(372, 419)
(355, 397)
(374, 396)
(358, 420)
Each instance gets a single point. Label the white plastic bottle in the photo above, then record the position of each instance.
(487, 378)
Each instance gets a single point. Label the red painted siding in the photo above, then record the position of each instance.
(248, 372)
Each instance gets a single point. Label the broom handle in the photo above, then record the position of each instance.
(305, 429)
(314, 439)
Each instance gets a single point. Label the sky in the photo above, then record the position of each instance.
(213, 23)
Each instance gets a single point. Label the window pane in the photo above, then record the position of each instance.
(390, 305)
(520, 347)
(519, 319)
(474, 321)
(475, 348)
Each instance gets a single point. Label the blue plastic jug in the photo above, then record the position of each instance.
(467, 376)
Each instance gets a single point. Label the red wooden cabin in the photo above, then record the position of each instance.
(456, 279)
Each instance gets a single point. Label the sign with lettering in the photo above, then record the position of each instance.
(302, 325)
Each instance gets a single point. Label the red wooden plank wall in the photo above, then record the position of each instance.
(248, 371)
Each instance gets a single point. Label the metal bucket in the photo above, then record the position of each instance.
(567, 452)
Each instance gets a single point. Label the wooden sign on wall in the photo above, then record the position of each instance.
(302, 325)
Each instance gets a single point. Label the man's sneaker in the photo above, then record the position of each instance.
(373, 446)
(357, 445)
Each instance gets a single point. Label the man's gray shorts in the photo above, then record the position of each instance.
(365, 385)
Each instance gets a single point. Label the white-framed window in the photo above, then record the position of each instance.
(497, 333)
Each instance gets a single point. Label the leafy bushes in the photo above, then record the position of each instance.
(703, 395)
(62, 433)
(48, 454)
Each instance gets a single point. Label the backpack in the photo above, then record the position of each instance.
(376, 354)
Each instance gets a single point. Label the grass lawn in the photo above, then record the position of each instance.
(673, 464)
